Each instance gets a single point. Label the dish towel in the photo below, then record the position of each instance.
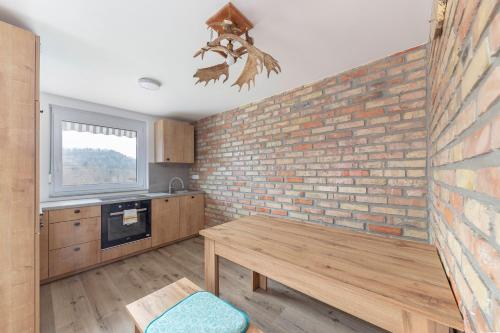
(130, 216)
(201, 312)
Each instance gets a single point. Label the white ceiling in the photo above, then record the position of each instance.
(95, 50)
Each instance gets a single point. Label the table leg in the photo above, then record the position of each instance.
(211, 267)
(414, 323)
(258, 281)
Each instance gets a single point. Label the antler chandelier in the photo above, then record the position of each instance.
(230, 25)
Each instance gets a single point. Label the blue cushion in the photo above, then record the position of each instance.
(201, 312)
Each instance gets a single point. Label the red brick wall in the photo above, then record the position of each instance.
(464, 138)
(347, 151)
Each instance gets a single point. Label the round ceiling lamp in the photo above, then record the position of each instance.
(149, 83)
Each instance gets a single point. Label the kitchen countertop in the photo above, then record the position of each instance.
(48, 205)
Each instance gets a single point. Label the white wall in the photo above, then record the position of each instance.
(47, 99)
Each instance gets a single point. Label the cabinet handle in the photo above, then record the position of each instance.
(168, 158)
(166, 200)
(77, 211)
(76, 224)
(76, 249)
(192, 197)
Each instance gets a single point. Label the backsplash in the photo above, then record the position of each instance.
(160, 175)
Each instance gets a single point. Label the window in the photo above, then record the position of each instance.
(96, 153)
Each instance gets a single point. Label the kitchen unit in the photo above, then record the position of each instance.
(19, 179)
(174, 141)
(76, 234)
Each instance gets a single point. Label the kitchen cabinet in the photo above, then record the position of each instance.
(70, 238)
(192, 214)
(165, 220)
(74, 257)
(44, 247)
(63, 234)
(74, 239)
(19, 228)
(174, 141)
(69, 214)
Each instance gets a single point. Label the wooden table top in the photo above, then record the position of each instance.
(146, 309)
(405, 273)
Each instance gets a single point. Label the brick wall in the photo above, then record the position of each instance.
(464, 138)
(347, 151)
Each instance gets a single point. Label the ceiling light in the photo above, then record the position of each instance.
(149, 83)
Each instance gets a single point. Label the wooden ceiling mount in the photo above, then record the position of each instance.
(231, 13)
(233, 43)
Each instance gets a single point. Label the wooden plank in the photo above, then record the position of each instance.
(125, 249)
(164, 220)
(159, 142)
(211, 268)
(64, 234)
(259, 281)
(44, 248)
(414, 323)
(188, 143)
(18, 229)
(405, 274)
(39, 237)
(146, 309)
(71, 214)
(329, 291)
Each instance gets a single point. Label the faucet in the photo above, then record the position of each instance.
(171, 182)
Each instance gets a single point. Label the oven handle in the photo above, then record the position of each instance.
(121, 213)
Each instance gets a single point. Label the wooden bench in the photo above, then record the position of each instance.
(145, 310)
(398, 285)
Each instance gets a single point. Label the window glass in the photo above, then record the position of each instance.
(96, 155)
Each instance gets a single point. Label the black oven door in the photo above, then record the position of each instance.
(113, 229)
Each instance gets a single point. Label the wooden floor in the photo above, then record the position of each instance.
(94, 301)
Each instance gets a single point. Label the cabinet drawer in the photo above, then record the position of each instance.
(125, 249)
(60, 215)
(63, 234)
(72, 258)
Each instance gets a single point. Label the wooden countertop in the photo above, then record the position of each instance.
(405, 273)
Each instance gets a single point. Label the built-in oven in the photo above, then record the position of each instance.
(125, 222)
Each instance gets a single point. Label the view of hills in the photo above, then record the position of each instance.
(97, 166)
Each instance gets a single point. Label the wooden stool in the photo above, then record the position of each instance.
(146, 309)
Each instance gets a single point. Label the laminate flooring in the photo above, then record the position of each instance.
(94, 301)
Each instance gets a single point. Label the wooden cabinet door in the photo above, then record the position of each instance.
(164, 220)
(188, 144)
(44, 247)
(18, 182)
(174, 141)
(192, 214)
(173, 137)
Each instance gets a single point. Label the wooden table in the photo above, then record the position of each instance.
(394, 284)
(146, 309)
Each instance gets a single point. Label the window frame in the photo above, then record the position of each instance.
(60, 114)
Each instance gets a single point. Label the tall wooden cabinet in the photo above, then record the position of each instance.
(174, 141)
(19, 206)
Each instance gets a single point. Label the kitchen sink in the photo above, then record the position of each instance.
(156, 194)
